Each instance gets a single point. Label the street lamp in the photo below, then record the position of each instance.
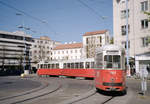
(127, 48)
(24, 39)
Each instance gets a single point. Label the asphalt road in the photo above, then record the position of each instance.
(72, 88)
(13, 85)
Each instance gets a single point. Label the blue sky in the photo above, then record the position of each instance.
(67, 20)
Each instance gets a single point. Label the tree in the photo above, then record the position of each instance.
(148, 14)
(112, 40)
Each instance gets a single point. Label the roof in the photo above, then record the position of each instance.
(68, 46)
(95, 32)
(109, 47)
(44, 38)
(16, 33)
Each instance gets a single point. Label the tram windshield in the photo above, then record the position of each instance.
(112, 61)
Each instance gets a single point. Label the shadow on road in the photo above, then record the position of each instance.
(112, 93)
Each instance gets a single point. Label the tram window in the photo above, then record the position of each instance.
(57, 65)
(48, 65)
(87, 65)
(41, 66)
(77, 65)
(38, 66)
(68, 65)
(53, 66)
(112, 61)
(116, 58)
(92, 64)
(81, 65)
(108, 58)
(72, 65)
(99, 60)
(44, 65)
(64, 66)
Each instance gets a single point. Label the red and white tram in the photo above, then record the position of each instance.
(73, 68)
(110, 68)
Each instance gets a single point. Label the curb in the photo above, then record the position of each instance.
(75, 99)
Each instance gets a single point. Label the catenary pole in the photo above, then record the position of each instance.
(127, 41)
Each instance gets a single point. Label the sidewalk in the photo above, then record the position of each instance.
(135, 86)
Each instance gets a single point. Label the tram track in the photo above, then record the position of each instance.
(44, 90)
(85, 98)
(44, 85)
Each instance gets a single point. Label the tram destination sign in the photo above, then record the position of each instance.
(112, 52)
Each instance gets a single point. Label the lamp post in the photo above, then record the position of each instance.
(24, 39)
(127, 48)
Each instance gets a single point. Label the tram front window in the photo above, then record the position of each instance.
(112, 61)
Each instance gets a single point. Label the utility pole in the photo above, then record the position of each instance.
(3, 58)
(127, 41)
(25, 50)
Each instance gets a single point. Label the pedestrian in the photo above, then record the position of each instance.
(143, 75)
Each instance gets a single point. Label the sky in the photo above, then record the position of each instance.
(61, 20)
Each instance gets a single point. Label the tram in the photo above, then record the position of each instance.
(72, 68)
(110, 72)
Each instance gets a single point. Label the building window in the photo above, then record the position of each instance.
(144, 23)
(87, 40)
(145, 41)
(122, 1)
(35, 51)
(123, 29)
(100, 39)
(123, 14)
(144, 6)
(75, 51)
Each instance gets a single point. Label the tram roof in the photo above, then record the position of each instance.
(95, 32)
(69, 61)
(109, 47)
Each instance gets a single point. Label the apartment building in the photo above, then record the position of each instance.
(68, 51)
(138, 25)
(93, 40)
(13, 53)
(41, 49)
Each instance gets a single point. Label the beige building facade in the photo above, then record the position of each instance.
(68, 51)
(93, 40)
(14, 52)
(138, 25)
(41, 49)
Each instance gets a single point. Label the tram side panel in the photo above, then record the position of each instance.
(78, 72)
(49, 72)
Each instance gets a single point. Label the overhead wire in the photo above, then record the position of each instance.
(95, 12)
(28, 15)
